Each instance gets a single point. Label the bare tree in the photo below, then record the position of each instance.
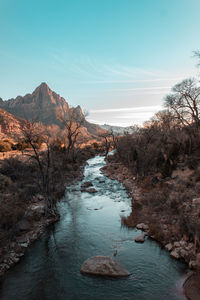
(107, 141)
(72, 124)
(34, 135)
(184, 102)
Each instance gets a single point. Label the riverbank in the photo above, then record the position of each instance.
(31, 227)
(24, 221)
(161, 224)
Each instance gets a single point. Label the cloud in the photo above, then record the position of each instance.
(128, 109)
(123, 116)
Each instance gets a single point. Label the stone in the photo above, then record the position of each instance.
(142, 226)
(36, 210)
(127, 184)
(104, 266)
(15, 259)
(91, 191)
(183, 243)
(140, 238)
(169, 247)
(183, 253)
(192, 264)
(175, 254)
(176, 244)
(24, 245)
(86, 184)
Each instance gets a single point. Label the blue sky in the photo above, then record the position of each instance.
(116, 58)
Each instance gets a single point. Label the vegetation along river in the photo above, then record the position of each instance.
(90, 225)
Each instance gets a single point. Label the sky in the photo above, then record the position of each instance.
(115, 58)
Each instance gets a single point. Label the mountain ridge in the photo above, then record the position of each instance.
(44, 105)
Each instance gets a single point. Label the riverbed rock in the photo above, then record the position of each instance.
(140, 238)
(175, 254)
(169, 247)
(104, 266)
(91, 191)
(142, 226)
(177, 244)
(86, 184)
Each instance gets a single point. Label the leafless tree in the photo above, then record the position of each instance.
(72, 124)
(107, 141)
(34, 135)
(184, 102)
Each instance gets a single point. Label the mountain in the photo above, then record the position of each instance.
(118, 129)
(44, 105)
(10, 124)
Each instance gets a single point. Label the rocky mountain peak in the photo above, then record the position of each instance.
(43, 88)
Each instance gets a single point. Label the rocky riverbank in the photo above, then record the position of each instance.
(31, 227)
(160, 224)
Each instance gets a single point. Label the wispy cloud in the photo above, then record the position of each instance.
(144, 88)
(128, 109)
(123, 116)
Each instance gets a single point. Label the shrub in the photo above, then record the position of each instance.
(5, 146)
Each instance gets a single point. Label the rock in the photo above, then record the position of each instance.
(183, 243)
(24, 225)
(104, 266)
(86, 184)
(127, 184)
(169, 247)
(183, 253)
(140, 238)
(192, 264)
(175, 254)
(120, 177)
(24, 245)
(101, 181)
(15, 259)
(176, 244)
(142, 226)
(196, 201)
(91, 191)
(36, 210)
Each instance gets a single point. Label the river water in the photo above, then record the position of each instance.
(90, 225)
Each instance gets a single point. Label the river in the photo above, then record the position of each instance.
(90, 225)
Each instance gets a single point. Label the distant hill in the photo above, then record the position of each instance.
(44, 105)
(118, 129)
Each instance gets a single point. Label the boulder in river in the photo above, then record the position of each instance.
(86, 184)
(140, 238)
(104, 266)
(90, 190)
(142, 226)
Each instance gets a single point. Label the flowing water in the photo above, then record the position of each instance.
(90, 225)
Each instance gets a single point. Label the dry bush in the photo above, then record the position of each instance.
(5, 146)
